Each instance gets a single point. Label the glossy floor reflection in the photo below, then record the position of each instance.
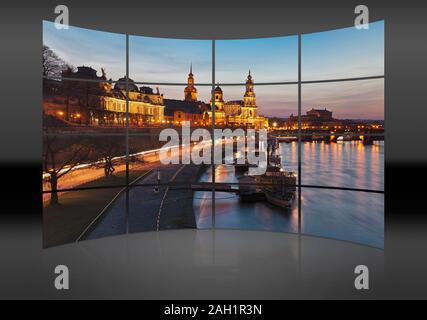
(220, 264)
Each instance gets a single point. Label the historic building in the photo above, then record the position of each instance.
(218, 107)
(177, 111)
(145, 106)
(314, 118)
(321, 115)
(242, 113)
(97, 102)
(190, 92)
(237, 112)
(190, 109)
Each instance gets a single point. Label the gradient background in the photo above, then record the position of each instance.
(27, 271)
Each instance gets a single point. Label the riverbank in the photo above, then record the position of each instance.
(64, 222)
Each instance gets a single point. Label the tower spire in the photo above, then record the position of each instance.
(249, 76)
(249, 97)
(190, 92)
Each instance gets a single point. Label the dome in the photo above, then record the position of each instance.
(218, 89)
(121, 85)
(146, 90)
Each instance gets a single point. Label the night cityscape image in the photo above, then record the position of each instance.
(109, 101)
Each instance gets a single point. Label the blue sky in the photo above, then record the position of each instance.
(168, 60)
(79, 46)
(341, 53)
(269, 59)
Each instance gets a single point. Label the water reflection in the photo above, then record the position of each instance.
(231, 213)
(347, 164)
(346, 215)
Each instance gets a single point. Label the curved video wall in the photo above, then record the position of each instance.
(282, 134)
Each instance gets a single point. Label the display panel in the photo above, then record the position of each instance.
(146, 114)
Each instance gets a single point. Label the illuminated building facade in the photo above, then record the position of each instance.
(145, 106)
(190, 92)
(237, 112)
(77, 101)
(312, 119)
(97, 102)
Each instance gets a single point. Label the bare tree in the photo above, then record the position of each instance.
(60, 156)
(52, 65)
(111, 152)
(106, 150)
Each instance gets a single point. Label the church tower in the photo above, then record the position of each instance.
(249, 108)
(219, 107)
(249, 97)
(219, 100)
(190, 92)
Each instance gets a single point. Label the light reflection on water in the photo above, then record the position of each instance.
(346, 215)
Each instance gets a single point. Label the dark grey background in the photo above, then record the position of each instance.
(27, 271)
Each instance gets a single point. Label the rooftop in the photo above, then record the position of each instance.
(172, 105)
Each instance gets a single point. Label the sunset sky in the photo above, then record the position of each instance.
(342, 53)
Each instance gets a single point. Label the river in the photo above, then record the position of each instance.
(346, 215)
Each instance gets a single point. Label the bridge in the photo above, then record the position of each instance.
(219, 187)
(236, 188)
(367, 137)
